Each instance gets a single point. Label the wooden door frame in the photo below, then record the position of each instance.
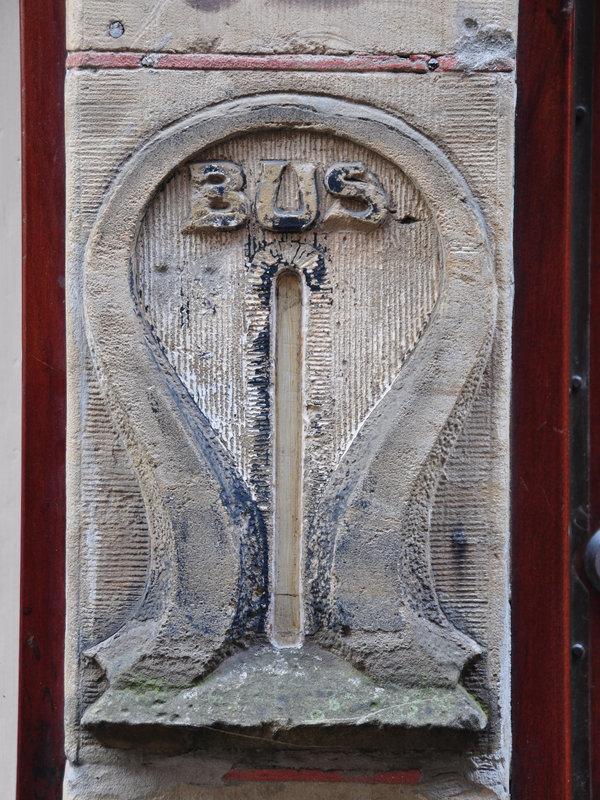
(541, 703)
(40, 755)
(594, 415)
(541, 767)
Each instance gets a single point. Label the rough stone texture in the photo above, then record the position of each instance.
(151, 783)
(279, 688)
(286, 26)
(115, 568)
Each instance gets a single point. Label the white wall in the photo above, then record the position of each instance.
(10, 387)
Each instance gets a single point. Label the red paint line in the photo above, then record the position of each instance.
(411, 776)
(305, 62)
(104, 60)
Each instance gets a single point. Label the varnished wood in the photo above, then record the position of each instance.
(540, 412)
(594, 387)
(40, 748)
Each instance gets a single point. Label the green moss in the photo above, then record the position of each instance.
(285, 688)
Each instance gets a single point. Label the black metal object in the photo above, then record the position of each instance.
(583, 85)
(591, 560)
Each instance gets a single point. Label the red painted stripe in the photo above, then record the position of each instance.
(410, 776)
(104, 60)
(305, 62)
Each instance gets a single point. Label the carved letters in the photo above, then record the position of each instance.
(268, 213)
(219, 203)
(355, 182)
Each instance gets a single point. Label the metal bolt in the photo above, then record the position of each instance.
(576, 383)
(591, 560)
(116, 29)
(580, 112)
(577, 651)
(433, 63)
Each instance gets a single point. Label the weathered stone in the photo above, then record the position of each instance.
(280, 688)
(217, 202)
(289, 26)
(269, 215)
(378, 549)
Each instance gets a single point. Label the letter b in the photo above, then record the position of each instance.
(217, 199)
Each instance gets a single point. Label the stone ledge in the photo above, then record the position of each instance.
(284, 689)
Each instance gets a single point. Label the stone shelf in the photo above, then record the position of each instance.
(283, 689)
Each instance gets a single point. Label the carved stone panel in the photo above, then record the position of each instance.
(288, 401)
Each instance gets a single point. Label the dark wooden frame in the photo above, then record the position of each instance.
(541, 637)
(540, 409)
(40, 745)
(594, 399)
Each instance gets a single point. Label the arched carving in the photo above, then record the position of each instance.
(370, 594)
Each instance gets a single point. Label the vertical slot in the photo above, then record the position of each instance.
(288, 417)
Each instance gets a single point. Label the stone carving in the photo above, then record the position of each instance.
(217, 201)
(273, 218)
(188, 363)
(355, 182)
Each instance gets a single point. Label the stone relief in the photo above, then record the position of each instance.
(289, 327)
